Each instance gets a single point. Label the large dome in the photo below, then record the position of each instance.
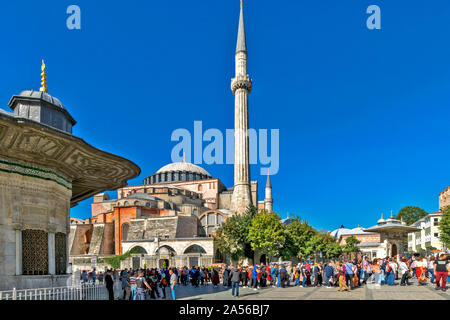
(183, 166)
(176, 172)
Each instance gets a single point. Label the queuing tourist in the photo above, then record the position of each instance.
(404, 270)
(109, 285)
(173, 283)
(235, 279)
(430, 269)
(349, 268)
(441, 269)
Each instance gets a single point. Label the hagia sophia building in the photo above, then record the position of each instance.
(172, 216)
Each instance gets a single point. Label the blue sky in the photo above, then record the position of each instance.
(363, 114)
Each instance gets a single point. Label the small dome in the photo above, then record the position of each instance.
(183, 166)
(41, 95)
(381, 221)
(338, 232)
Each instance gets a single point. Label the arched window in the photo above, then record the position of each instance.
(166, 250)
(209, 222)
(138, 249)
(195, 248)
(125, 228)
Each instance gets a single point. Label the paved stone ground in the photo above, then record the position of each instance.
(371, 292)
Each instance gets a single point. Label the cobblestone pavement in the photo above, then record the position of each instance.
(370, 292)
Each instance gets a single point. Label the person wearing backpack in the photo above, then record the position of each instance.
(141, 285)
(441, 270)
(163, 284)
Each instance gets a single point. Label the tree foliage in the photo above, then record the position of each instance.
(444, 226)
(351, 245)
(298, 235)
(264, 231)
(267, 233)
(233, 236)
(411, 214)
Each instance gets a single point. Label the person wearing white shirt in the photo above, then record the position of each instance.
(404, 270)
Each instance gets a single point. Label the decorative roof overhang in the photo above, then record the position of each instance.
(392, 227)
(91, 170)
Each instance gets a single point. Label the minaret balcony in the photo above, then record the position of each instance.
(241, 82)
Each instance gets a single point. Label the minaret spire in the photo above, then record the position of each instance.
(268, 201)
(241, 86)
(241, 43)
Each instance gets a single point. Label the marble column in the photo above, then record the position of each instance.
(18, 252)
(51, 253)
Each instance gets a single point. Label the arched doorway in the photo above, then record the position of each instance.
(165, 254)
(394, 250)
(263, 259)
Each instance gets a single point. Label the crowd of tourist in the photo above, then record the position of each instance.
(344, 274)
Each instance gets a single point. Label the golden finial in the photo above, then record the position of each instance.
(43, 78)
(401, 219)
(382, 215)
(184, 156)
(391, 213)
(242, 4)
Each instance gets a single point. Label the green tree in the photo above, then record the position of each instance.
(351, 245)
(232, 237)
(411, 214)
(333, 250)
(267, 233)
(330, 248)
(298, 236)
(444, 226)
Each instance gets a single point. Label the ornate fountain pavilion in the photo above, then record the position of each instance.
(44, 171)
(393, 236)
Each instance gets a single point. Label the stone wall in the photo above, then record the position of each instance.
(30, 198)
(444, 198)
(362, 237)
(82, 235)
(97, 239)
(225, 200)
(108, 239)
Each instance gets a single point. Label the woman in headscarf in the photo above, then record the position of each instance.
(225, 275)
(308, 274)
(215, 278)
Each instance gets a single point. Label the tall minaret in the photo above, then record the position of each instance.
(268, 201)
(241, 86)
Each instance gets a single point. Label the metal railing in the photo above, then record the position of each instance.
(87, 291)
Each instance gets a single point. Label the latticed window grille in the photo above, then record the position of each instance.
(60, 253)
(34, 252)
